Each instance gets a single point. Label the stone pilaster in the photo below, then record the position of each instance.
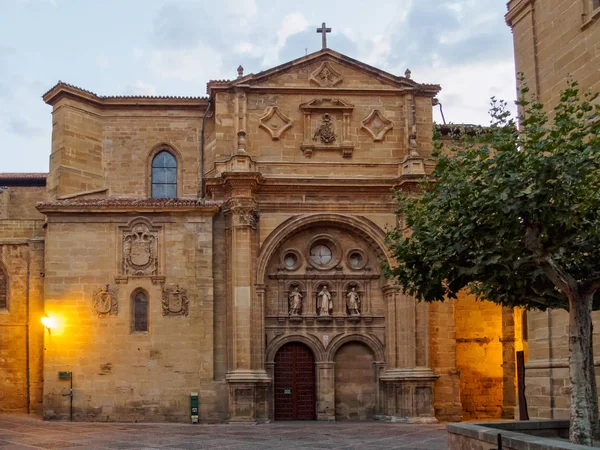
(249, 383)
(325, 391)
(405, 390)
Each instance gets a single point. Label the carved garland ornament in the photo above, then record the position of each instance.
(174, 301)
(104, 302)
(140, 251)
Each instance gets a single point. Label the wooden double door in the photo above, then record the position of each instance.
(295, 386)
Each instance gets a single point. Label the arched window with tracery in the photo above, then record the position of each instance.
(3, 289)
(164, 175)
(140, 311)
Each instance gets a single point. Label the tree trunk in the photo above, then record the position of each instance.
(581, 368)
(593, 391)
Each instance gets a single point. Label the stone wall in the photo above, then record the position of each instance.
(553, 40)
(119, 374)
(21, 333)
(355, 383)
(479, 357)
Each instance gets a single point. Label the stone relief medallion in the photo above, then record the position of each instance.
(325, 132)
(275, 122)
(326, 76)
(140, 249)
(174, 301)
(376, 125)
(104, 302)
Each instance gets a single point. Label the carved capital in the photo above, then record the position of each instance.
(245, 217)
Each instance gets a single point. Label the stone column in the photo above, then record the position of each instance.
(509, 400)
(248, 381)
(406, 391)
(325, 390)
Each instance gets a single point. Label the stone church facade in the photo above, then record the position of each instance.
(232, 246)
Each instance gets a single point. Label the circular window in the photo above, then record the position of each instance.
(356, 258)
(290, 259)
(320, 254)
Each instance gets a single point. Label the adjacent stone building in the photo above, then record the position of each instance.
(552, 40)
(232, 246)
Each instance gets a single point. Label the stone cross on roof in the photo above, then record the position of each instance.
(324, 30)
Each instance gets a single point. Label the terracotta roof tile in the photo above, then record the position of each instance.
(124, 97)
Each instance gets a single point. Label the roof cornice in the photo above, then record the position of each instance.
(62, 89)
(120, 205)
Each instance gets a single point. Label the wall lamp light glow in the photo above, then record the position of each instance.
(48, 322)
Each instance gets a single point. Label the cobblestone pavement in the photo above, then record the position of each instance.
(26, 432)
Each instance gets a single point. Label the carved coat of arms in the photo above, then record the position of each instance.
(104, 302)
(175, 302)
(325, 132)
(140, 251)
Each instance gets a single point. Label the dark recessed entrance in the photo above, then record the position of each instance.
(295, 396)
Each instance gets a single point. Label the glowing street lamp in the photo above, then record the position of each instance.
(48, 322)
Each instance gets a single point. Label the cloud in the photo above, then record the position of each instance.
(140, 88)
(23, 127)
(196, 64)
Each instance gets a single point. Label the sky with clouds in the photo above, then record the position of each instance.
(160, 47)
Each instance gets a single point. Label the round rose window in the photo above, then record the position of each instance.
(320, 254)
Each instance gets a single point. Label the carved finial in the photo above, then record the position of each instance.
(240, 71)
(407, 73)
(241, 142)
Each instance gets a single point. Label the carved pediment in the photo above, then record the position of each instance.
(326, 69)
(327, 104)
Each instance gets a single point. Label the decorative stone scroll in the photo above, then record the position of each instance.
(275, 122)
(326, 76)
(327, 126)
(174, 301)
(140, 249)
(104, 302)
(376, 125)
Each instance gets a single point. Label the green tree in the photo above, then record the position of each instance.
(514, 217)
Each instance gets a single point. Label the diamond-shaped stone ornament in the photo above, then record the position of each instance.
(377, 125)
(275, 122)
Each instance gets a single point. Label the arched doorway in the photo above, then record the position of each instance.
(294, 386)
(355, 387)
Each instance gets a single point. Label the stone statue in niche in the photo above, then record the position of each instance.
(325, 132)
(175, 302)
(295, 300)
(140, 249)
(104, 302)
(353, 302)
(325, 302)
